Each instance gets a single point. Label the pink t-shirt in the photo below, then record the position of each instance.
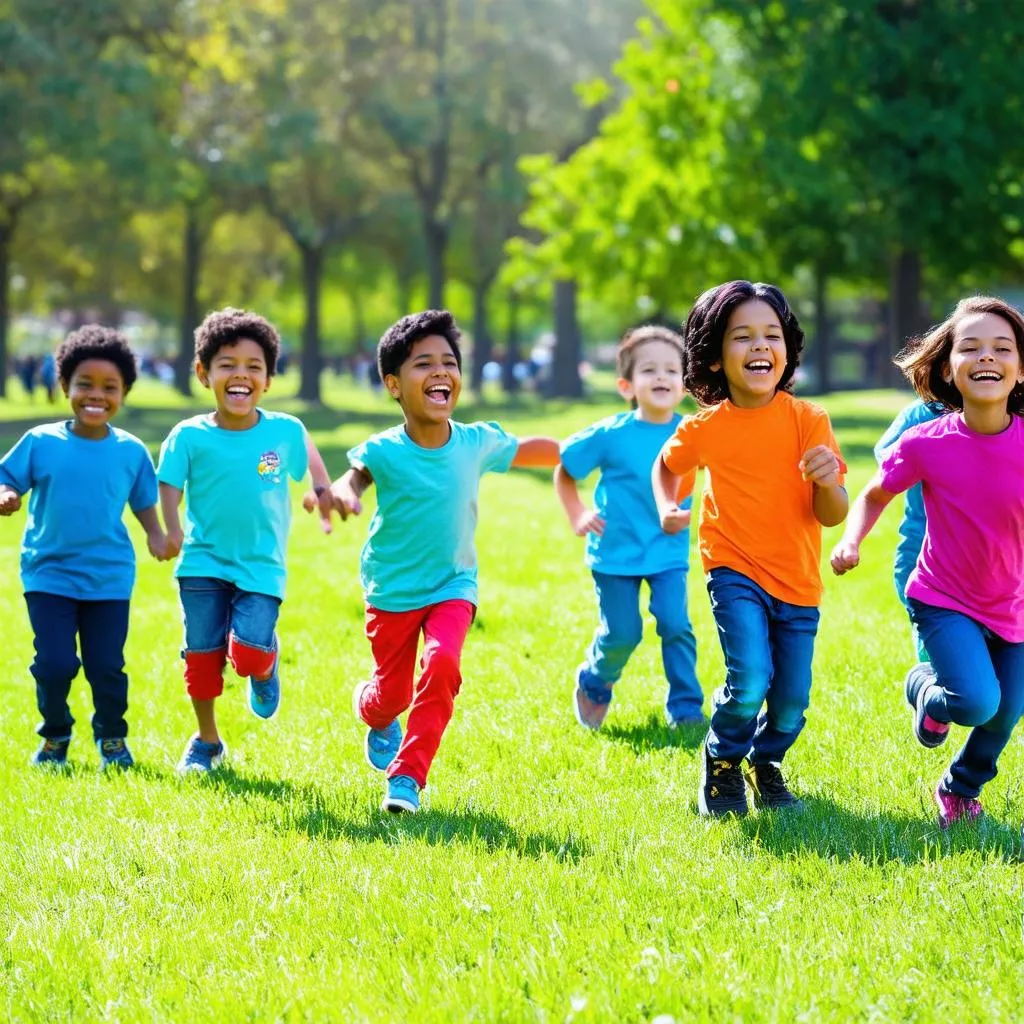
(972, 560)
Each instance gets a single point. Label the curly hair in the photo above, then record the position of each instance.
(704, 334)
(633, 340)
(925, 359)
(229, 327)
(94, 341)
(397, 341)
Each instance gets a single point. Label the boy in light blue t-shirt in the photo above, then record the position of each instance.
(232, 467)
(77, 560)
(626, 544)
(418, 565)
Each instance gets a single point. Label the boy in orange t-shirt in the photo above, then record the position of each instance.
(775, 476)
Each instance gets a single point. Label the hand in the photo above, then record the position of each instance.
(820, 465)
(313, 501)
(675, 520)
(845, 556)
(344, 499)
(10, 502)
(588, 521)
(157, 544)
(175, 539)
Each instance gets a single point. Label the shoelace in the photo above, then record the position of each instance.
(112, 746)
(52, 746)
(728, 779)
(770, 781)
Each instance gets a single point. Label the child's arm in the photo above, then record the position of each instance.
(347, 490)
(866, 509)
(156, 539)
(583, 520)
(170, 501)
(10, 500)
(666, 496)
(822, 467)
(537, 453)
(319, 496)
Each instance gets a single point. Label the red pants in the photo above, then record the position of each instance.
(394, 638)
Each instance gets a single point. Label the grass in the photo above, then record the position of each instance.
(556, 875)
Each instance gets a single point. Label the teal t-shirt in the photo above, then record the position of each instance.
(75, 543)
(237, 505)
(623, 449)
(420, 549)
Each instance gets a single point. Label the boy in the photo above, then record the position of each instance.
(418, 566)
(233, 465)
(77, 560)
(625, 542)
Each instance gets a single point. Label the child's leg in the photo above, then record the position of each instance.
(678, 644)
(54, 621)
(616, 637)
(394, 638)
(252, 646)
(102, 631)
(206, 607)
(444, 630)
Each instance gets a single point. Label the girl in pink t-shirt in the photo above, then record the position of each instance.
(966, 594)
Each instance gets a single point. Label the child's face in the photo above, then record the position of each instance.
(984, 364)
(753, 354)
(238, 378)
(657, 379)
(96, 392)
(428, 383)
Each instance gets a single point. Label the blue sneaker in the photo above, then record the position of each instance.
(201, 757)
(52, 753)
(265, 694)
(114, 754)
(402, 794)
(381, 744)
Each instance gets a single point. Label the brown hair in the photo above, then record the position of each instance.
(633, 340)
(924, 359)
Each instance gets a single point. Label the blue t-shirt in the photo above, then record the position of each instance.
(237, 505)
(623, 447)
(419, 550)
(76, 544)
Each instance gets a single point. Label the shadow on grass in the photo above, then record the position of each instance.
(838, 833)
(307, 810)
(654, 734)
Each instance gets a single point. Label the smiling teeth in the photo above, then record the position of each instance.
(985, 375)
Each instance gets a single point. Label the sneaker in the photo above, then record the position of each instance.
(265, 694)
(722, 789)
(769, 788)
(52, 753)
(954, 808)
(402, 794)
(381, 745)
(588, 712)
(114, 754)
(927, 730)
(200, 756)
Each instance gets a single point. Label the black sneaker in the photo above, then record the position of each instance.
(722, 790)
(927, 731)
(769, 787)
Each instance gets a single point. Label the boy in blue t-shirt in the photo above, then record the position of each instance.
(626, 544)
(232, 467)
(418, 566)
(77, 560)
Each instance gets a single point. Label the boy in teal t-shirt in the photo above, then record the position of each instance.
(418, 565)
(232, 467)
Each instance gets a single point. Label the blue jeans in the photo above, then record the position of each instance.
(980, 683)
(215, 610)
(101, 628)
(768, 647)
(621, 629)
(902, 568)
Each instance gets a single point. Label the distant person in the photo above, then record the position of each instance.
(48, 377)
(27, 369)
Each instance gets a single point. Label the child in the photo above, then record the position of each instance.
(625, 542)
(418, 565)
(233, 466)
(775, 477)
(966, 593)
(77, 560)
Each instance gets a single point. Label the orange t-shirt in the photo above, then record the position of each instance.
(757, 512)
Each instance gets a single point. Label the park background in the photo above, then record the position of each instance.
(554, 171)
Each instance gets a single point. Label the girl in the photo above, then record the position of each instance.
(774, 477)
(966, 594)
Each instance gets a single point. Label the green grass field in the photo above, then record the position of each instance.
(556, 875)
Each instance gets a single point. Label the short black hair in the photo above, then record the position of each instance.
(397, 341)
(230, 326)
(704, 333)
(633, 340)
(94, 341)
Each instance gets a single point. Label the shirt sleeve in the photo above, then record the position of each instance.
(681, 452)
(899, 470)
(298, 461)
(911, 416)
(16, 465)
(584, 451)
(369, 455)
(820, 433)
(144, 491)
(174, 461)
(497, 448)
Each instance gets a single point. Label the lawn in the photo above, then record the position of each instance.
(556, 875)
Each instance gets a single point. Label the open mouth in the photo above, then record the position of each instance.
(660, 389)
(94, 410)
(986, 375)
(439, 394)
(759, 366)
(238, 391)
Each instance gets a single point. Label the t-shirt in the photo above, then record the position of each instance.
(237, 505)
(75, 543)
(757, 512)
(623, 448)
(419, 550)
(912, 526)
(972, 559)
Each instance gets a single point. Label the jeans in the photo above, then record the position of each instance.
(768, 647)
(621, 629)
(902, 569)
(980, 683)
(101, 628)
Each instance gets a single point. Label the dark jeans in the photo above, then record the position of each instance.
(101, 628)
(768, 646)
(980, 682)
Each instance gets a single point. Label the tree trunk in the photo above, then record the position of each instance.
(6, 231)
(355, 299)
(312, 278)
(435, 234)
(193, 256)
(483, 343)
(906, 317)
(564, 381)
(822, 330)
(509, 380)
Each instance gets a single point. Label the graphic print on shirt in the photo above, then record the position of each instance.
(269, 467)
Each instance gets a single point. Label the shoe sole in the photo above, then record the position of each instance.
(396, 805)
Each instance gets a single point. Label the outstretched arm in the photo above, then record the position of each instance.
(156, 539)
(170, 502)
(866, 509)
(347, 490)
(319, 496)
(667, 487)
(537, 452)
(583, 520)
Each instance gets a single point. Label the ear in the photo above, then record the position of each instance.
(202, 374)
(715, 366)
(947, 373)
(266, 387)
(393, 386)
(626, 389)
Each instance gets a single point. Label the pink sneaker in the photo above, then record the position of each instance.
(953, 808)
